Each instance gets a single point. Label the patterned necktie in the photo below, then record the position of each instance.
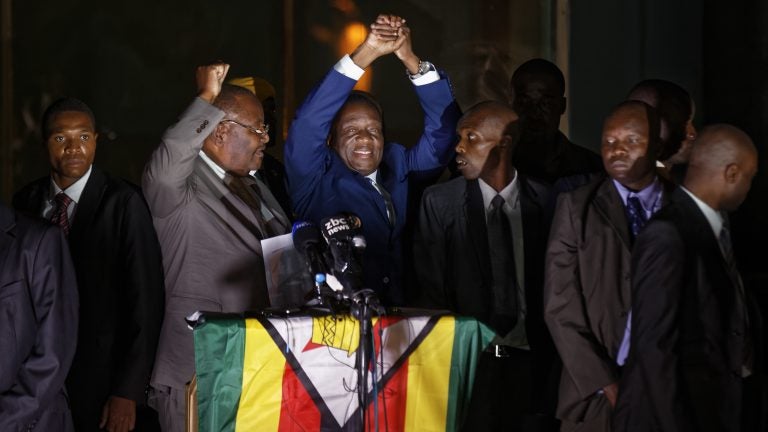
(501, 250)
(60, 216)
(635, 215)
(387, 201)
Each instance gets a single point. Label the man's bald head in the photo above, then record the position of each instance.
(723, 161)
(488, 133)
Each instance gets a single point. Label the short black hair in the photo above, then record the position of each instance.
(227, 100)
(62, 105)
(539, 68)
(673, 104)
(357, 96)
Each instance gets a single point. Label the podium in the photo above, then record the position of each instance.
(272, 373)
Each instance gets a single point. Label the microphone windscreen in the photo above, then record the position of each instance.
(341, 226)
(305, 234)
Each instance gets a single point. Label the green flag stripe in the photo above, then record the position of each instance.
(219, 352)
(470, 339)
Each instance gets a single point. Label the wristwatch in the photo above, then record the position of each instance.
(424, 67)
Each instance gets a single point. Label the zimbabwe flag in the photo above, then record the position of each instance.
(297, 374)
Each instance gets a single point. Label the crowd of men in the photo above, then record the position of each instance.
(609, 279)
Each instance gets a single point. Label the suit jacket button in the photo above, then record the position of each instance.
(385, 280)
(198, 130)
(205, 123)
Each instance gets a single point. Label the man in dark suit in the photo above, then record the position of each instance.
(694, 362)
(470, 264)
(337, 160)
(118, 266)
(545, 153)
(38, 324)
(586, 288)
(210, 214)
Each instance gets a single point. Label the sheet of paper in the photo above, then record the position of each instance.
(288, 279)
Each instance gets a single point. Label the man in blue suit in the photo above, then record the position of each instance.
(337, 160)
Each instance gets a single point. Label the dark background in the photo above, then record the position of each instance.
(133, 63)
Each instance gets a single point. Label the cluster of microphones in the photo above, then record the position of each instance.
(333, 253)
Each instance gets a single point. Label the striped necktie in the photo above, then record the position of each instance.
(60, 216)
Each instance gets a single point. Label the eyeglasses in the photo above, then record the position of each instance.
(260, 132)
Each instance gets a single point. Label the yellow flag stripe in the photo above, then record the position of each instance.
(262, 392)
(429, 371)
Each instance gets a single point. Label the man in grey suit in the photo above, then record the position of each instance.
(586, 287)
(210, 214)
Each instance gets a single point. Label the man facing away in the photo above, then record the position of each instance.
(337, 160)
(480, 252)
(586, 288)
(210, 214)
(695, 362)
(118, 266)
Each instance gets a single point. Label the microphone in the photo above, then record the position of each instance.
(307, 239)
(346, 244)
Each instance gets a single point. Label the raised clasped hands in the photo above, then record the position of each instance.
(389, 34)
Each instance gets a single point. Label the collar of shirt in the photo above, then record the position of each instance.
(714, 217)
(74, 190)
(219, 171)
(510, 193)
(348, 68)
(650, 196)
(372, 177)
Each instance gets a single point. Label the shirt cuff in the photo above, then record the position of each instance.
(427, 78)
(348, 68)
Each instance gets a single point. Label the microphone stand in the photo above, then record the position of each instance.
(364, 303)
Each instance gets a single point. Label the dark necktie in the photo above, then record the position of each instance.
(247, 190)
(60, 216)
(635, 215)
(727, 248)
(387, 201)
(502, 254)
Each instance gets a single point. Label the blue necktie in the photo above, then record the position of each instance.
(635, 215)
(637, 219)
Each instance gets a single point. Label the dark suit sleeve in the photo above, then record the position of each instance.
(51, 305)
(658, 264)
(441, 113)
(584, 359)
(141, 301)
(430, 253)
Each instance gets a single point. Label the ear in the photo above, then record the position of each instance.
(95, 138)
(219, 135)
(690, 131)
(563, 104)
(732, 173)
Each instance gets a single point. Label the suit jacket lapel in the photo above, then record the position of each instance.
(32, 203)
(532, 216)
(87, 205)
(474, 212)
(608, 204)
(272, 204)
(228, 206)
